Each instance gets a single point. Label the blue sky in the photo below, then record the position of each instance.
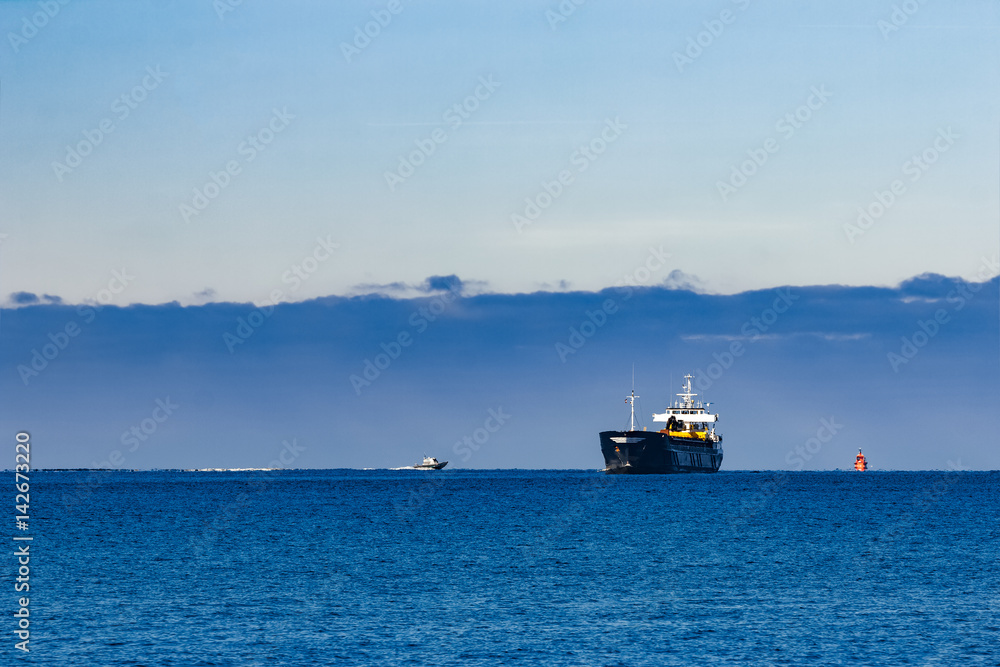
(891, 94)
(175, 164)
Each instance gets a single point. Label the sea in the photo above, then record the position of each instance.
(509, 567)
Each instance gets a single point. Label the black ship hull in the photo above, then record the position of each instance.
(644, 452)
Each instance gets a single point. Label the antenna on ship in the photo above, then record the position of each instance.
(686, 394)
(631, 402)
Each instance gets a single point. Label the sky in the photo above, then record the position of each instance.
(216, 217)
(909, 374)
(741, 136)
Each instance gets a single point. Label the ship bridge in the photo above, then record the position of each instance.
(686, 409)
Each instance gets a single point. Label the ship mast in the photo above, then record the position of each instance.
(631, 401)
(687, 395)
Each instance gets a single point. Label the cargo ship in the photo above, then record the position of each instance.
(687, 443)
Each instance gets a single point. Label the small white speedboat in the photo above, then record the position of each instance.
(430, 463)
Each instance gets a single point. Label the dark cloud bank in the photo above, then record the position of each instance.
(911, 373)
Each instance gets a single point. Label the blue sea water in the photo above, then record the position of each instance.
(511, 567)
